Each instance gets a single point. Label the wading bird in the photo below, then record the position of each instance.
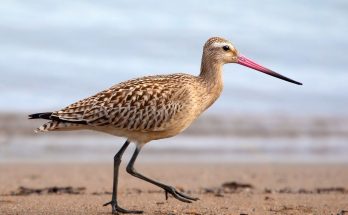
(152, 108)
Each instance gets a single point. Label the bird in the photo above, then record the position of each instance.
(150, 108)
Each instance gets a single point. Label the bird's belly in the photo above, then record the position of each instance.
(143, 137)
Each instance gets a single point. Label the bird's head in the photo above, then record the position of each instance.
(223, 51)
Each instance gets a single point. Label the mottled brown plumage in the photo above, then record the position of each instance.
(151, 107)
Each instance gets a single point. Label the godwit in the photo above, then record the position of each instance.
(151, 108)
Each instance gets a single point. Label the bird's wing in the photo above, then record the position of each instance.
(136, 105)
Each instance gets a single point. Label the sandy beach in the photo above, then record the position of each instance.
(82, 188)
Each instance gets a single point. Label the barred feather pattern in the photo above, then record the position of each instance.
(53, 125)
(145, 104)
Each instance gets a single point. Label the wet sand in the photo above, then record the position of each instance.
(82, 188)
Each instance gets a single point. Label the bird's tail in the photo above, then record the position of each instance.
(54, 123)
(46, 126)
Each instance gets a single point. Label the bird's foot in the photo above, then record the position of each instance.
(117, 209)
(178, 195)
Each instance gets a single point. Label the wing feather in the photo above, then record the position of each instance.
(148, 104)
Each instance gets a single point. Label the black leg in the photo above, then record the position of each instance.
(168, 189)
(113, 202)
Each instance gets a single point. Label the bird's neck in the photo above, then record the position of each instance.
(211, 70)
(211, 77)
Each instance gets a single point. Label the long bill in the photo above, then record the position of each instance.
(251, 64)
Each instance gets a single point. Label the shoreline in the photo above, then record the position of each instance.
(212, 138)
(235, 125)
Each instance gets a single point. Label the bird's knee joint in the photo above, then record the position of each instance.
(130, 169)
(117, 159)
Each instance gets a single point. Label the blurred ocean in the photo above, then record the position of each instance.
(53, 53)
(236, 138)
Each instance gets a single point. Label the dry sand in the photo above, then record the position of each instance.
(268, 189)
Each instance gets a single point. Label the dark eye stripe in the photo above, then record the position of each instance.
(226, 48)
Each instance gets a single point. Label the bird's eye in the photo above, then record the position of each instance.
(226, 48)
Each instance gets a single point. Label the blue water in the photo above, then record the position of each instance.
(53, 53)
